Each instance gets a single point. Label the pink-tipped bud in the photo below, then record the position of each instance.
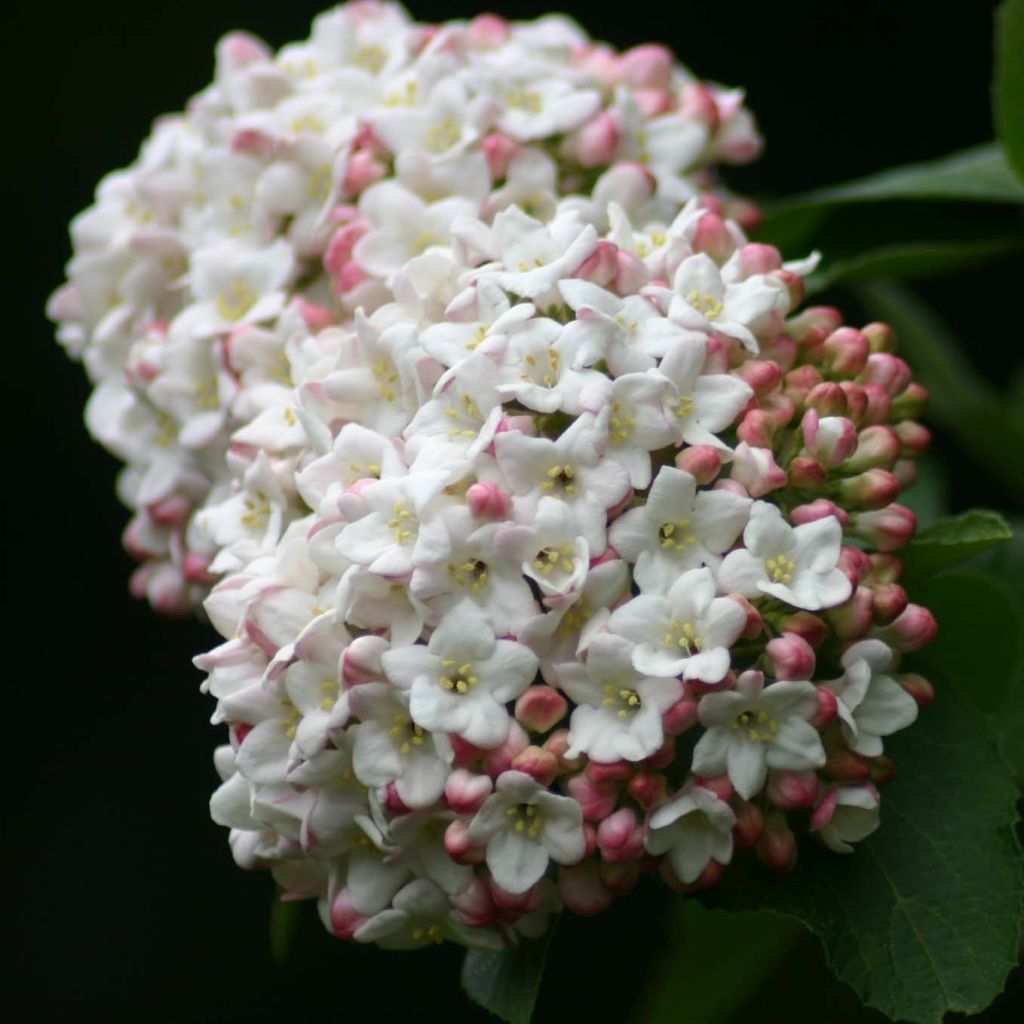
(843, 765)
(539, 764)
(237, 49)
(755, 624)
(631, 274)
(647, 788)
(648, 66)
(594, 144)
(499, 150)
(820, 508)
(871, 490)
(698, 102)
(663, 756)
(911, 630)
(558, 743)
(582, 891)
(777, 847)
(794, 285)
(487, 31)
(828, 708)
(720, 785)
(887, 529)
(596, 800)
(918, 687)
(914, 438)
(790, 657)
(852, 618)
(856, 400)
(620, 837)
(171, 511)
(393, 803)
(465, 791)
(197, 569)
(911, 404)
(763, 375)
(653, 102)
(758, 258)
(465, 752)
(540, 708)
(474, 905)
(807, 473)
(362, 170)
(517, 902)
(488, 501)
(888, 371)
(793, 791)
(855, 563)
(878, 447)
(749, 825)
(757, 470)
(810, 328)
(781, 350)
(361, 661)
(601, 266)
(802, 382)
(500, 758)
(845, 352)
(806, 625)
(757, 428)
(826, 399)
(345, 919)
(701, 461)
(888, 602)
(881, 337)
(680, 717)
(712, 237)
(879, 404)
(458, 846)
(830, 439)
(616, 771)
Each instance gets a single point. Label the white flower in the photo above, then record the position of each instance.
(871, 703)
(523, 826)
(678, 528)
(693, 828)
(461, 680)
(687, 632)
(751, 729)
(618, 717)
(798, 565)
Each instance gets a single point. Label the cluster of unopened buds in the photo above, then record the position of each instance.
(550, 543)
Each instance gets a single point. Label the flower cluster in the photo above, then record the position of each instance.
(555, 544)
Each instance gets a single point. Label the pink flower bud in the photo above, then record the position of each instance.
(653, 102)
(887, 529)
(852, 618)
(806, 625)
(465, 752)
(558, 744)
(880, 337)
(361, 661)
(616, 771)
(499, 150)
(790, 657)
(631, 273)
(345, 919)
(465, 791)
(911, 404)
(914, 438)
(237, 49)
(171, 511)
(361, 171)
(339, 250)
(781, 350)
(710, 876)
(474, 905)
(601, 265)
(756, 470)
(755, 624)
(827, 399)
(649, 66)
(582, 891)
(810, 328)
(488, 501)
(251, 142)
(757, 428)
(540, 764)
(855, 563)
(500, 758)
(794, 287)
(826, 808)
(777, 847)
(807, 473)
(843, 765)
(620, 878)
(597, 800)
(594, 144)
(393, 803)
(749, 825)
(878, 447)
(780, 407)
(487, 31)
(719, 785)
(845, 352)
(820, 508)
(830, 439)
(458, 846)
(911, 630)
(828, 709)
(698, 101)
(886, 567)
(197, 569)
(856, 400)
(870, 490)
(800, 383)
(905, 472)
(620, 837)
(793, 791)
(701, 461)
(540, 708)
(879, 404)
(918, 687)
(763, 375)
(712, 237)
(888, 602)
(888, 371)
(680, 717)
(647, 788)
(517, 903)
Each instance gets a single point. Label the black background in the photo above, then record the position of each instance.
(119, 895)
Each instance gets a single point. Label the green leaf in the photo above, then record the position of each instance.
(909, 260)
(954, 540)
(924, 917)
(284, 923)
(961, 400)
(507, 981)
(690, 985)
(1009, 83)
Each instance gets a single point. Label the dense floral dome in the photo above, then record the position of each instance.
(550, 543)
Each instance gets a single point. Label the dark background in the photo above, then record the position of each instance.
(120, 895)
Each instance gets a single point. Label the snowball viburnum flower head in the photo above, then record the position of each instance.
(451, 387)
